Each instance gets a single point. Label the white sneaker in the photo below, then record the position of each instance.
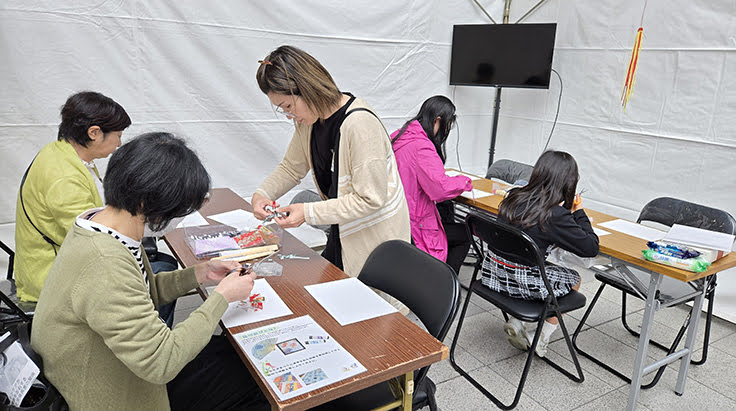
(542, 344)
(515, 334)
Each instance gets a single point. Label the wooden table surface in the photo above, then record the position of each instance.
(618, 245)
(387, 346)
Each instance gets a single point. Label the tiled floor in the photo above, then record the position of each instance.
(484, 352)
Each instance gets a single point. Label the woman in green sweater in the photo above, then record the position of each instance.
(96, 326)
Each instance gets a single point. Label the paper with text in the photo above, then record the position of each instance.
(297, 356)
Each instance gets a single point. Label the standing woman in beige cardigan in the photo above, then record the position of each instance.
(341, 140)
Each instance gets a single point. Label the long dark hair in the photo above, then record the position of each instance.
(433, 107)
(552, 182)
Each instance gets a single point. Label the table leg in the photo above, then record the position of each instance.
(407, 381)
(690, 340)
(646, 329)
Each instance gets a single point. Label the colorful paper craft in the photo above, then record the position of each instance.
(290, 346)
(262, 348)
(310, 377)
(287, 383)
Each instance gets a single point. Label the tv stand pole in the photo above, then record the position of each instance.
(497, 106)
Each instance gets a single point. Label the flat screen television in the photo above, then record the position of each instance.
(502, 55)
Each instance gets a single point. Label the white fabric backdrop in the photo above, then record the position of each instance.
(189, 67)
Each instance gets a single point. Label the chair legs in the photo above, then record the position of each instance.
(527, 364)
(11, 259)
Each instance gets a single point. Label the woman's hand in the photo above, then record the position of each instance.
(259, 203)
(236, 286)
(214, 271)
(295, 218)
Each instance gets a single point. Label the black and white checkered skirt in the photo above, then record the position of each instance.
(524, 282)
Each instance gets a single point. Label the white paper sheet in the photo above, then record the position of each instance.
(599, 232)
(192, 220)
(478, 194)
(634, 229)
(241, 312)
(312, 237)
(697, 237)
(239, 219)
(297, 356)
(453, 173)
(349, 301)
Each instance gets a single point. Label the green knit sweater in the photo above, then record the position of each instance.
(98, 332)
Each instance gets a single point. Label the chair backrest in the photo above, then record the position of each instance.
(504, 240)
(509, 171)
(426, 285)
(670, 211)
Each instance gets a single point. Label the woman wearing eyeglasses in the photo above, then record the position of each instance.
(420, 154)
(340, 139)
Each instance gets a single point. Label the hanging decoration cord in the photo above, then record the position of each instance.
(631, 72)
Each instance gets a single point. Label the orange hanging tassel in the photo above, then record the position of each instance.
(631, 72)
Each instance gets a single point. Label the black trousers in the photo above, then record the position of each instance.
(458, 245)
(216, 379)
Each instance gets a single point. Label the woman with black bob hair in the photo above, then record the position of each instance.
(96, 326)
(419, 147)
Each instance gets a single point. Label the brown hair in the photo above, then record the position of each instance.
(291, 71)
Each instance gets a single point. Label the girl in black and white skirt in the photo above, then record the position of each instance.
(550, 212)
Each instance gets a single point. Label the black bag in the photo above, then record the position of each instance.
(42, 395)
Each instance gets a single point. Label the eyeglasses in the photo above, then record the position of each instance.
(287, 113)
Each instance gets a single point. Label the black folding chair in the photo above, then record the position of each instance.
(11, 259)
(515, 245)
(430, 289)
(667, 211)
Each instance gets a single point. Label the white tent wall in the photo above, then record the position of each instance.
(189, 67)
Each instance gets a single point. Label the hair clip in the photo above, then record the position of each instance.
(265, 62)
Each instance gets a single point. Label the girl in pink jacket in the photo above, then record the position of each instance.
(419, 147)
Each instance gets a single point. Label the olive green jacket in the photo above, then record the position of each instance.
(57, 189)
(98, 332)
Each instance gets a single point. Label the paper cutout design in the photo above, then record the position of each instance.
(290, 346)
(262, 348)
(310, 377)
(287, 383)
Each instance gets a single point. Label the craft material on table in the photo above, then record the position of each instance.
(633, 229)
(297, 356)
(268, 305)
(699, 238)
(247, 254)
(349, 300)
(600, 232)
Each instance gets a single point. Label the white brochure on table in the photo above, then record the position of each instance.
(349, 301)
(297, 356)
(192, 220)
(243, 312)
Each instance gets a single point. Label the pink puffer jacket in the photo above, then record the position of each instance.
(425, 183)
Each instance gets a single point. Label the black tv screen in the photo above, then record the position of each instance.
(502, 55)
